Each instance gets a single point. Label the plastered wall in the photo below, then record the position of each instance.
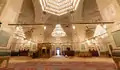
(109, 10)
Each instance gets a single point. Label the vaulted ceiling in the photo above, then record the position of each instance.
(32, 13)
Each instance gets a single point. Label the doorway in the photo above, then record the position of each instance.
(58, 51)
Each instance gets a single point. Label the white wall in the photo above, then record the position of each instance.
(9, 15)
(38, 34)
(110, 11)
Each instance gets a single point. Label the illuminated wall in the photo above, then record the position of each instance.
(109, 10)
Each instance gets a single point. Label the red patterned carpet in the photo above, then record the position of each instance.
(63, 64)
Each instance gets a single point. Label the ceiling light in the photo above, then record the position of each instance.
(99, 30)
(58, 31)
(44, 27)
(73, 26)
(19, 33)
(59, 7)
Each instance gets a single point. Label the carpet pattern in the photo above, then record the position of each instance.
(63, 66)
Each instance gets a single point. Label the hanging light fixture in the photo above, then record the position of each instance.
(99, 30)
(19, 33)
(58, 31)
(73, 26)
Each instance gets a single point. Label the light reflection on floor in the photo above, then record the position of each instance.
(58, 56)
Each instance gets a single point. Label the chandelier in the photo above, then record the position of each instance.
(59, 7)
(58, 31)
(19, 33)
(99, 30)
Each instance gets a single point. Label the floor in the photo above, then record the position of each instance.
(62, 63)
(61, 58)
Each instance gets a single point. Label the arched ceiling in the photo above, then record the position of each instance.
(42, 17)
(27, 16)
(90, 13)
(32, 12)
(59, 7)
